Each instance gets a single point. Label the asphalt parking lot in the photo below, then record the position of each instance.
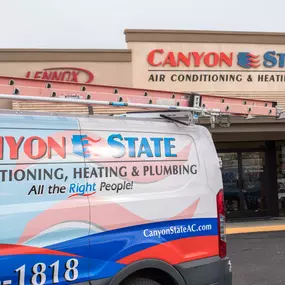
(257, 258)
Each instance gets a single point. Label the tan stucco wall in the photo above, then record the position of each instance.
(141, 42)
(141, 50)
(108, 67)
(142, 70)
(130, 67)
(109, 73)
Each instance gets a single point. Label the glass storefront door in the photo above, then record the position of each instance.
(244, 183)
(230, 174)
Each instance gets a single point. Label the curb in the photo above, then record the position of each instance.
(245, 230)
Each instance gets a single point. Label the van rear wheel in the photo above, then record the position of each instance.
(140, 281)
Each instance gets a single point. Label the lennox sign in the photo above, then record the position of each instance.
(64, 74)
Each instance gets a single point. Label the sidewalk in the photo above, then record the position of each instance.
(266, 225)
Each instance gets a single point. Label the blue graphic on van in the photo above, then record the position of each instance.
(133, 147)
(82, 144)
(77, 189)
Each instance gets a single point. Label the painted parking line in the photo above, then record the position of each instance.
(256, 229)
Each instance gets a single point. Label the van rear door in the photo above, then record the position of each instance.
(153, 199)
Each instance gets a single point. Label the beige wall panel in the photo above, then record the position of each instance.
(142, 70)
(105, 73)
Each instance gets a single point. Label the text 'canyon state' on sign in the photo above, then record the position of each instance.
(162, 58)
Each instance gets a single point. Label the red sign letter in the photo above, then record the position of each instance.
(75, 76)
(55, 76)
(46, 75)
(197, 58)
(215, 59)
(38, 75)
(184, 59)
(170, 59)
(150, 57)
(64, 78)
(228, 60)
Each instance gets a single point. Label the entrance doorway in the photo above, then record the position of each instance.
(244, 183)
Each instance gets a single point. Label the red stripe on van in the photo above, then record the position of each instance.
(14, 249)
(178, 251)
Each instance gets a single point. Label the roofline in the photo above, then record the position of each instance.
(204, 36)
(65, 55)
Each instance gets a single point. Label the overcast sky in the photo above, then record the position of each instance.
(101, 23)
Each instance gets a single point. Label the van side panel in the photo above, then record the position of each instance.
(211, 159)
(153, 199)
(44, 226)
(80, 199)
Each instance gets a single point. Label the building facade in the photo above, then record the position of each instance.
(249, 65)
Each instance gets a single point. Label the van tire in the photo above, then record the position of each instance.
(140, 281)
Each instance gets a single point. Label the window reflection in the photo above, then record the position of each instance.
(230, 180)
(253, 181)
(244, 182)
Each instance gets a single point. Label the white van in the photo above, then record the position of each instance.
(104, 200)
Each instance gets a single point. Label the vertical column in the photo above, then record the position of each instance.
(271, 178)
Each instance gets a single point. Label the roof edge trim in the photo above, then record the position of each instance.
(204, 36)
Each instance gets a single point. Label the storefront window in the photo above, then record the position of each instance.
(230, 175)
(253, 186)
(244, 183)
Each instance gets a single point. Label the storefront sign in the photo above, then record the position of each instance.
(158, 57)
(212, 66)
(269, 59)
(65, 74)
